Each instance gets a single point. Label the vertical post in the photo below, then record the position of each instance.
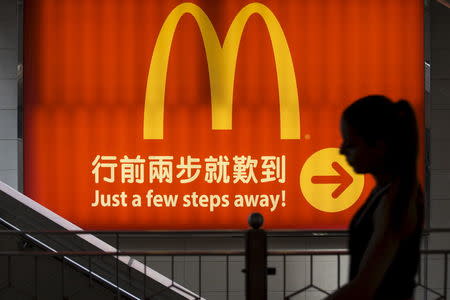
(419, 271)
(35, 277)
(228, 276)
(425, 274)
(200, 277)
(62, 278)
(256, 259)
(172, 269)
(445, 274)
(284, 276)
(90, 271)
(145, 276)
(117, 266)
(9, 271)
(338, 271)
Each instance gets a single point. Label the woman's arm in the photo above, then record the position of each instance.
(377, 258)
(382, 246)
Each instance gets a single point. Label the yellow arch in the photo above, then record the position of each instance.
(221, 67)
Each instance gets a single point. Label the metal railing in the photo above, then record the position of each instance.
(68, 258)
(84, 260)
(339, 254)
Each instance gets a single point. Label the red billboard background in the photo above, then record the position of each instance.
(86, 65)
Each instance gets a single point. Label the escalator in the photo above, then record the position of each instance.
(46, 242)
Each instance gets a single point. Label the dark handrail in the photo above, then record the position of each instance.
(123, 253)
(193, 253)
(272, 233)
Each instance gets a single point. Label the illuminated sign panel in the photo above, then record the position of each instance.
(191, 115)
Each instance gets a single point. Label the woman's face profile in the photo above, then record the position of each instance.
(361, 156)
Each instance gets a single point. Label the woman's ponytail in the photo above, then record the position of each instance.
(404, 143)
(405, 151)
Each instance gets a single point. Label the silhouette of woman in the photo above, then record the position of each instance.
(380, 138)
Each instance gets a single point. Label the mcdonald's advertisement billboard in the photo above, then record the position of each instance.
(182, 115)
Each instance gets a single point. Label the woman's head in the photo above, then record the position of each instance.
(380, 135)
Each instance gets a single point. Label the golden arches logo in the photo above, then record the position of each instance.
(221, 67)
